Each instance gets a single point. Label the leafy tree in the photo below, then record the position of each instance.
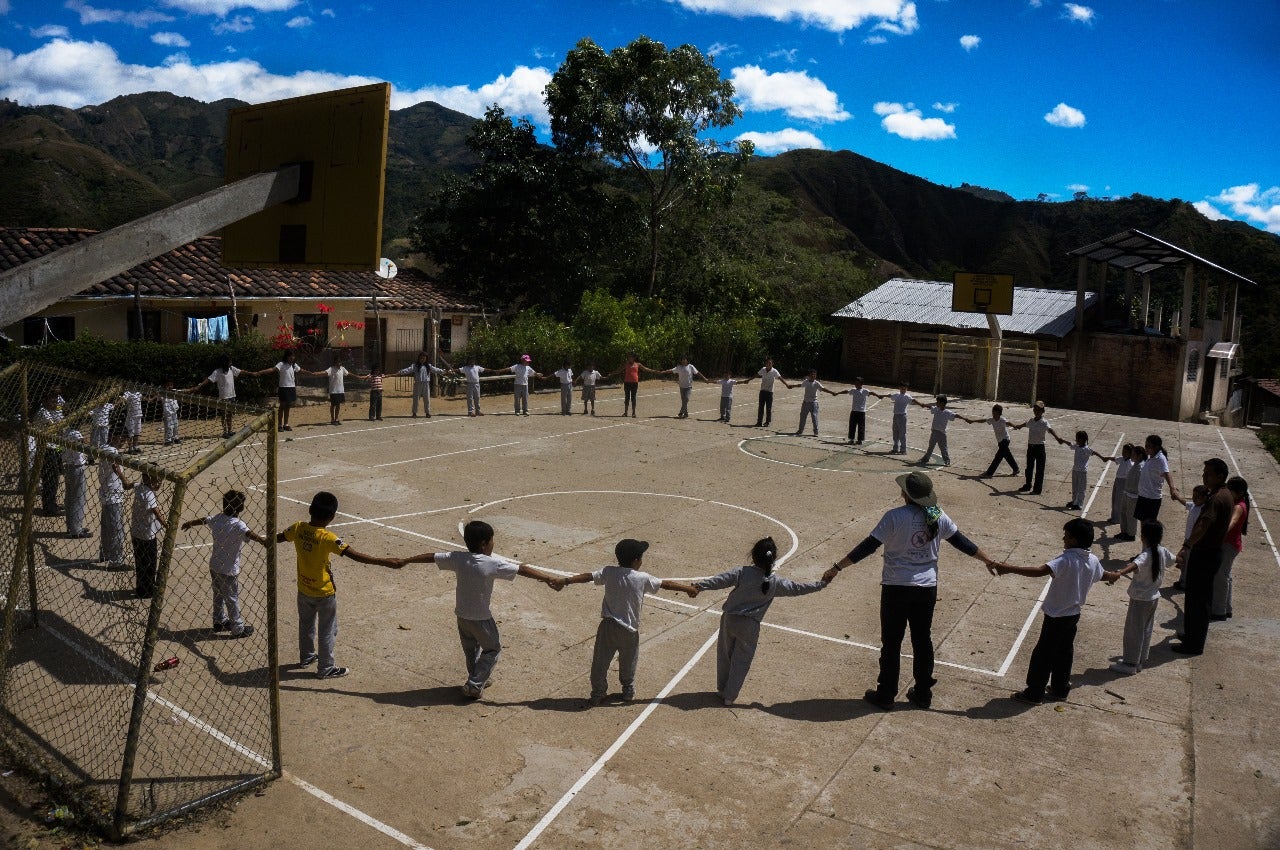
(646, 108)
(522, 228)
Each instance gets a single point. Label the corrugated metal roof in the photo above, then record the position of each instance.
(1045, 312)
(1144, 253)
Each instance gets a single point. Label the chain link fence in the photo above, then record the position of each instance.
(137, 680)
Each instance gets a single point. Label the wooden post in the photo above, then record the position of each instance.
(1188, 282)
(1146, 303)
(1203, 312)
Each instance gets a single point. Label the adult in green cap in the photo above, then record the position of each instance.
(910, 534)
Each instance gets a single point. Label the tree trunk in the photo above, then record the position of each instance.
(653, 246)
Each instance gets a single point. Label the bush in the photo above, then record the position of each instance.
(186, 364)
(1270, 438)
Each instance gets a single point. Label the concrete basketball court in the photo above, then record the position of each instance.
(1183, 755)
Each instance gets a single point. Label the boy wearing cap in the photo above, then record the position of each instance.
(911, 535)
(523, 371)
(619, 632)
(1074, 572)
(476, 569)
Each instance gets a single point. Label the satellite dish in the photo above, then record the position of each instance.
(386, 268)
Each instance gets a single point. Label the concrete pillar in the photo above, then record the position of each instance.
(1102, 290)
(1203, 312)
(1233, 313)
(1188, 282)
(1128, 298)
(1145, 310)
(1158, 324)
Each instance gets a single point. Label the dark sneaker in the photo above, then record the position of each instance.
(1024, 488)
(333, 673)
(597, 699)
(222, 626)
(1027, 697)
(309, 660)
(247, 631)
(628, 694)
(919, 700)
(879, 700)
(470, 691)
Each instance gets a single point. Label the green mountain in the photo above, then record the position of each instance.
(100, 166)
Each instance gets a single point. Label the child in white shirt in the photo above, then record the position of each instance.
(938, 429)
(133, 418)
(1123, 464)
(858, 411)
(901, 403)
(1080, 468)
(809, 404)
(229, 533)
(625, 586)
(727, 382)
(565, 374)
(1148, 570)
(146, 523)
(589, 378)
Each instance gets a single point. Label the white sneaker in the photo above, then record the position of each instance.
(1124, 668)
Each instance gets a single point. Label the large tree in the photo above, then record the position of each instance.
(649, 110)
(523, 228)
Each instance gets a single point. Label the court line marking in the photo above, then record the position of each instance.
(499, 445)
(782, 559)
(1255, 512)
(1035, 609)
(225, 739)
(617, 745)
(742, 448)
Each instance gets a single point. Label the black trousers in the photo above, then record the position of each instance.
(629, 389)
(1202, 567)
(1146, 509)
(900, 607)
(1003, 453)
(375, 404)
(764, 409)
(1052, 657)
(144, 566)
(857, 425)
(1035, 466)
(50, 475)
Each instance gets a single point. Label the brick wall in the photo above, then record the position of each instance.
(1128, 374)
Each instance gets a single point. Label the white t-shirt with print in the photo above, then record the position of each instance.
(565, 375)
(1074, 572)
(133, 403)
(476, 574)
(624, 590)
(901, 402)
(910, 556)
(767, 377)
(1036, 431)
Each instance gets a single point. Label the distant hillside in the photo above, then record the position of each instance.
(99, 166)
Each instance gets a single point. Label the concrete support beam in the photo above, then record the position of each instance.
(29, 288)
(1128, 298)
(1188, 283)
(1146, 303)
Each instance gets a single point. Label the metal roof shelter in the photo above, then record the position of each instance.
(1142, 253)
(1046, 312)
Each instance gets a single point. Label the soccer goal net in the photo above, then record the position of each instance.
(136, 680)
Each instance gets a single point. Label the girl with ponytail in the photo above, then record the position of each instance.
(1148, 570)
(1233, 545)
(754, 589)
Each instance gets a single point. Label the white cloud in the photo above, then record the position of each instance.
(794, 92)
(299, 22)
(968, 42)
(1251, 203)
(328, 13)
(51, 31)
(1079, 14)
(78, 73)
(782, 140)
(874, 39)
(240, 23)
(946, 107)
(780, 53)
(1077, 187)
(719, 48)
(222, 8)
(170, 39)
(91, 15)
(1036, 4)
(834, 15)
(1065, 116)
(1211, 212)
(909, 123)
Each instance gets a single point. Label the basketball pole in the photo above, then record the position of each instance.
(993, 357)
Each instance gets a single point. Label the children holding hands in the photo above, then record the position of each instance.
(619, 631)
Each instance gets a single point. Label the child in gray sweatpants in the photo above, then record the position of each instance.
(619, 632)
(754, 589)
(476, 570)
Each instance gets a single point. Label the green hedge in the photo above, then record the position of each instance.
(186, 364)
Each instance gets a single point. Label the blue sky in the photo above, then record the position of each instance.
(1170, 98)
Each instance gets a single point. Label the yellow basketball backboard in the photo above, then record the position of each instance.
(982, 293)
(340, 137)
